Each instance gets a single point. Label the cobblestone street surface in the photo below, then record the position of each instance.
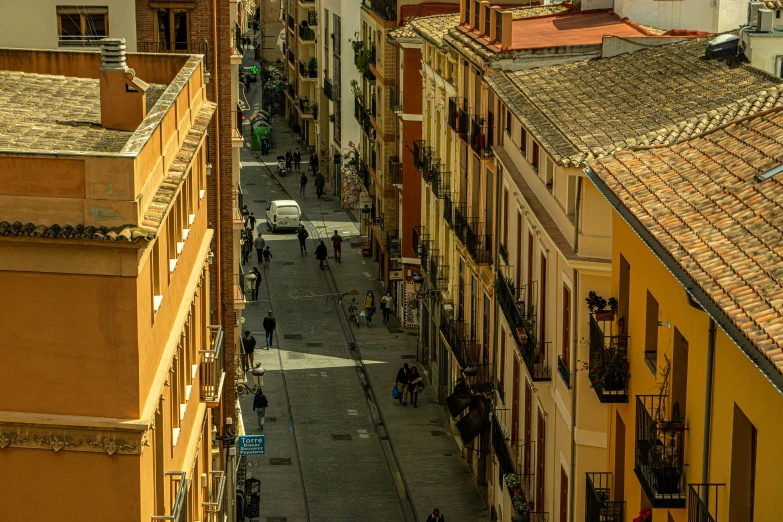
(338, 447)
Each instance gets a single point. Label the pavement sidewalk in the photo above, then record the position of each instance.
(428, 457)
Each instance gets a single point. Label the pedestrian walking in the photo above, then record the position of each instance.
(369, 307)
(387, 303)
(255, 279)
(245, 212)
(248, 346)
(435, 516)
(267, 257)
(314, 162)
(337, 244)
(259, 243)
(247, 246)
(415, 385)
(250, 222)
(297, 130)
(259, 406)
(319, 185)
(302, 184)
(246, 81)
(269, 327)
(320, 254)
(403, 378)
(302, 235)
(297, 159)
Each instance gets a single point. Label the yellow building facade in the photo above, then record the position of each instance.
(111, 366)
(696, 440)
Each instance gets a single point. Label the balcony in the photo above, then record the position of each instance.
(211, 368)
(452, 114)
(372, 54)
(372, 108)
(312, 17)
(214, 509)
(417, 237)
(460, 221)
(448, 210)
(608, 365)
(600, 505)
(291, 57)
(393, 244)
(307, 108)
(385, 9)
(442, 188)
(291, 23)
(438, 273)
(178, 487)
(362, 117)
(425, 247)
(395, 103)
(171, 48)
(237, 136)
(463, 122)
(291, 90)
(422, 157)
(328, 90)
(660, 452)
(478, 245)
(481, 136)
(308, 71)
(506, 461)
(700, 498)
(503, 252)
(305, 33)
(395, 171)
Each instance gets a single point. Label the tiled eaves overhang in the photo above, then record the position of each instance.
(160, 202)
(698, 208)
(561, 121)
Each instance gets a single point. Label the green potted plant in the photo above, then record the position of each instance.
(677, 422)
(522, 336)
(331, 117)
(608, 368)
(311, 67)
(601, 309)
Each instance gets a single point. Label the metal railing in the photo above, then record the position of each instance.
(502, 451)
(393, 244)
(448, 210)
(503, 252)
(478, 245)
(328, 89)
(312, 17)
(291, 57)
(178, 491)
(608, 364)
(600, 505)
(452, 113)
(214, 509)
(372, 54)
(395, 171)
(417, 237)
(306, 106)
(425, 246)
(700, 498)
(307, 71)
(385, 9)
(660, 447)
(461, 221)
(438, 273)
(564, 371)
(305, 33)
(211, 368)
(463, 122)
(291, 23)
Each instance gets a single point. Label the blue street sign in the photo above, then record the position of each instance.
(251, 444)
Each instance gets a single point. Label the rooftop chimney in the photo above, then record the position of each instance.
(123, 96)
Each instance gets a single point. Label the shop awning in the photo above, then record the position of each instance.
(459, 400)
(471, 425)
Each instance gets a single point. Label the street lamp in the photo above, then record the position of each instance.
(258, 377)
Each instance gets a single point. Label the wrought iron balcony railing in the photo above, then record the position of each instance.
(503, 252)
(443, 188)
(703, 502)
(372, 54)
(481, 136)
(305, 33)
(177, 483)
(393, 244)
(291, 57)
(211, 375)
(417, 237)
(660, 452)
(395, 171)
(291, 23)
(478, 245)
(308, 71)
(460, 221)
(564, 371)
(425, 247)
(608, 364)
(463, 122)
(600, 505)
(214, 508)
(452, 113)
(438, 273)
(505, 456)
(328, 89)
(312, 17)
(385, 9)
(448, 210)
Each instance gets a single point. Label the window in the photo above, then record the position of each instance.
(563, 495)
(508, 120)
(505, 217)
(540, 459)
(515, 401)
(502, 357)
(534, 160)
(566, 352)
(519, 256)
(157, 293)
(476, 15)
(523, 142)
(542, 327)
(81, 26)
(173, 29)
(485, 332)
(651, 334)
(486, 20)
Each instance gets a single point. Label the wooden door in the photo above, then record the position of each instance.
(515, 404)
(540, 461)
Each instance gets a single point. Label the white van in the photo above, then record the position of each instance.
(283, 213)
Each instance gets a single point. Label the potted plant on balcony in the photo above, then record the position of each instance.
(665, 473)
(518, 500)
(609, 369)
(598, 307)
(677, 422)
(311, 67)
(645, 515)
(522, 335)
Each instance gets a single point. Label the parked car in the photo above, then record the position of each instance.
(282, 214)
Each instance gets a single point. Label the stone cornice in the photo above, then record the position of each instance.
(73, 438)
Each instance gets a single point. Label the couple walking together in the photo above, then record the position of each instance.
(409, 381)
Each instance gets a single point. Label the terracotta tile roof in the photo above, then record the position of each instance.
(434, 28)
(404, 32)
(40, 112)
(129, 233)
(699, 200)
(586, 110)
(562, 29)
(173, 179)
(774, 5)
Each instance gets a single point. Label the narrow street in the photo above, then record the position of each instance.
(338, 447)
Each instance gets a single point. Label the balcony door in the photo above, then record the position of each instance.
(540, 461)
(173, 29)
(515, 404)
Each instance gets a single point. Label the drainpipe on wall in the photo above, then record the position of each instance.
(705, 455)
(575, 294)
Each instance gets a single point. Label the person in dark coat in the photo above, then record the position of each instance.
(403, 378)
(337, 244)
(319, 185)
(302, 235)
(320, 254)
(269, 327)
(297, 130)
(435, 516)
(259, 406)
(248, 346)
(302, 184)
(256, 280)
(415, 385)
(297, 160)
(314, 162)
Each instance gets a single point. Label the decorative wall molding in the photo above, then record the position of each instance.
(73, 438)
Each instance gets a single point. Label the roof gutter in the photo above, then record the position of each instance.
(769, 370)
